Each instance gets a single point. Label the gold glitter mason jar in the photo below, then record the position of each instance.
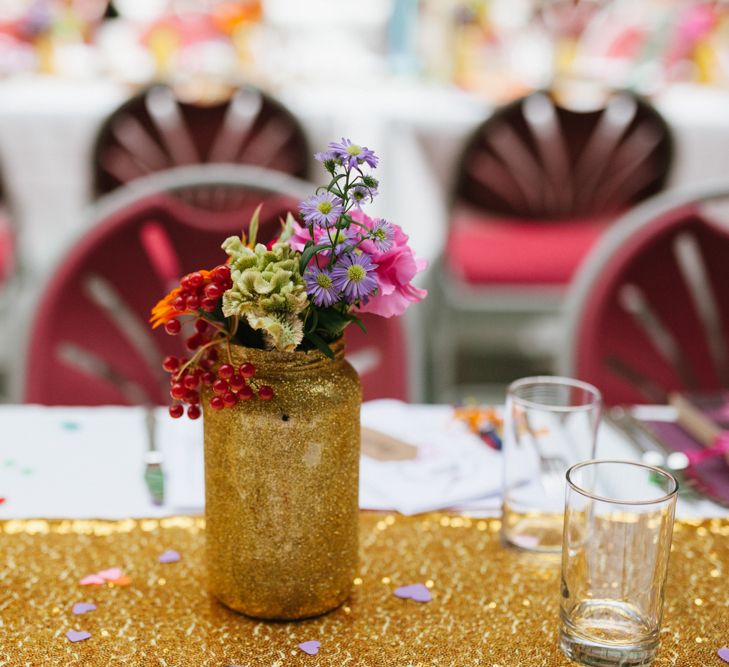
(281, 487)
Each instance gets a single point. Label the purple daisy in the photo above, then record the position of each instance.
(320, 286)
(359, 194)
(382, 235)
(323, 209)
(323, 156)
(353, 155)
(352, 275)
(345, 240)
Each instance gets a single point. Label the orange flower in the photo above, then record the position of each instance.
(164, 310)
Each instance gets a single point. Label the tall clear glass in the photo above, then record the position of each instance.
(549, 425)
(617, 540)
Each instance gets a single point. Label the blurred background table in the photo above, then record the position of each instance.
(48, 126)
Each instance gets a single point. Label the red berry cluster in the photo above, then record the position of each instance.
(197, 293)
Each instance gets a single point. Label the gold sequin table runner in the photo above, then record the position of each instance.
(490, 607)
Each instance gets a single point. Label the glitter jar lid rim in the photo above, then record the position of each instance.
(271, 362)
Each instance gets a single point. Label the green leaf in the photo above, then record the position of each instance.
(332, 323)
(287, 228)
(309, 253)
(253, 226)
(313, 321)
(320, 344)
(358, 322)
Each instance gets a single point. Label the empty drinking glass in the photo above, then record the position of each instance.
(617, 539)
(550, 424)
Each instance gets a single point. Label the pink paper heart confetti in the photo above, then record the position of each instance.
(92, 580)
(83, 607)
(417, 592)
(111, 574)
(169, 556)
(78, 635)
(723, 653)
(310, 647)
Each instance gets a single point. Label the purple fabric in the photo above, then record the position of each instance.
(710, 476)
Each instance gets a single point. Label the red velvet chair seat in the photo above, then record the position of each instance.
(484, 250)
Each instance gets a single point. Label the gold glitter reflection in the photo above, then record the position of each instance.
(479, 615)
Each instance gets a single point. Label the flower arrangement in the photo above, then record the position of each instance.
(299, 292)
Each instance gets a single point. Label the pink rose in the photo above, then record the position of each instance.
(395, 270)
(299, 237)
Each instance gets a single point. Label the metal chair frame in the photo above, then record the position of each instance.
(631, 224)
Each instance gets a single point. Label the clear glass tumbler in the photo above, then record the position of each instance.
(550, 424)
(617, 540)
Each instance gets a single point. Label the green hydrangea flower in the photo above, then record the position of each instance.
(268, 291)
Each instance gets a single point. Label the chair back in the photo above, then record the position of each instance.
(154, 131)
(649, 311)
(535, 159)
(90, 342)
(379, 356)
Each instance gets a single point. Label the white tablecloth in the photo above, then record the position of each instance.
(89, 462)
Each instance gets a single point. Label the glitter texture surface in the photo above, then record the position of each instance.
(281, 486)
(491, 606)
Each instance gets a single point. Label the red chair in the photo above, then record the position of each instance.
(380, 356)
(90, 343)
(154, 131)
(649, 310)
(537, 185)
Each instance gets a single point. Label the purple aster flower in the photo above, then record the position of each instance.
(353, 155)
(320, 286)
(323, 156)
(352, 274)
(323, 209)
(382, 235)
(345, 240)
(359, 193)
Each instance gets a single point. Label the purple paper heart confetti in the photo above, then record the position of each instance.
(169, 556)
(83, 607)
(723, 653)
(78, 635)
(417, 592)
(92, 580)
(310, 647)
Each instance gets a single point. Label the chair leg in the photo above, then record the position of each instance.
(443, 354)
